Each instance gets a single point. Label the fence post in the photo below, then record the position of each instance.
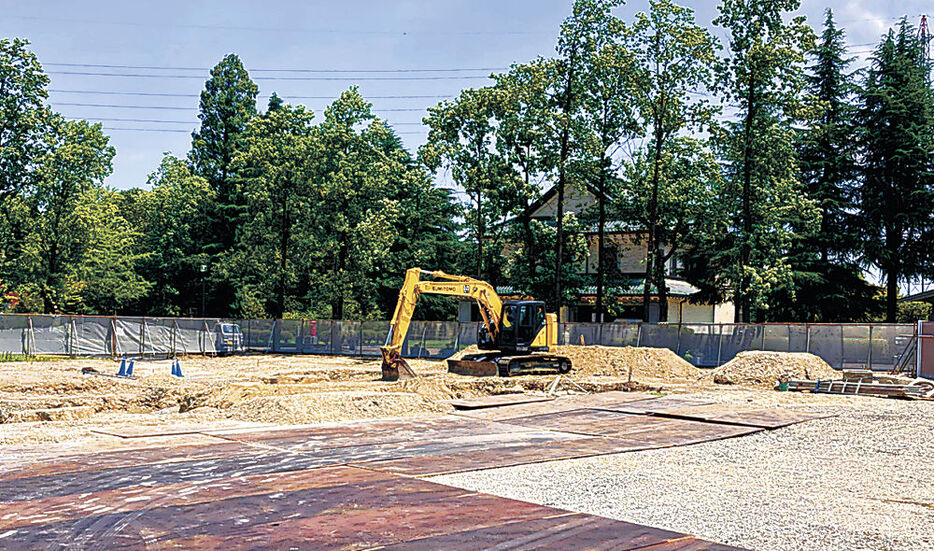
(73, 329)
(842, 347)
(142, 338)
(113, 337)
(639, 336)
(807, 339)
(869, 359)
(720, 346)
(30, 337)
(678, 346)
(789, 336)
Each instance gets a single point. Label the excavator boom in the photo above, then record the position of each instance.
(490, 305)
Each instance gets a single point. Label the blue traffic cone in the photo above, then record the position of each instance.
(129, 369)
(122, 372)
(177, 368)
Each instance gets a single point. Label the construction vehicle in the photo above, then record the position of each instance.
(514, 336)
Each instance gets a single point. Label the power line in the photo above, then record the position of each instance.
(176, 130)
(396, 32)
(201, 77)
(195, 122)
(264, 96)
(172, 108)
(169, 68)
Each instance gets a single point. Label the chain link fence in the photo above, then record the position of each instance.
(872, 345)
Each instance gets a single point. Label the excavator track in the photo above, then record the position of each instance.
(495, 363)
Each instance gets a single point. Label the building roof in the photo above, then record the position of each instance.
(676, 288)
(923, 296)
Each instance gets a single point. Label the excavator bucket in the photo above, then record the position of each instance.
(394, 367)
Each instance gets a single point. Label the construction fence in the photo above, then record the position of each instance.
(874, 345)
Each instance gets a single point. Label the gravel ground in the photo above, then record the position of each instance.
(863, 480)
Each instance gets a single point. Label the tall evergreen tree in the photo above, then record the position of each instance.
(762, 195)
(228, 103)
(896, 145)
(828, 283)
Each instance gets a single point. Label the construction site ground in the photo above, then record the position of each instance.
(861, 479)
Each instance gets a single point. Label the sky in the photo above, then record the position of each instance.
(404, 55)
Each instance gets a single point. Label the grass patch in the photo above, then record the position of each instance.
(11, 357)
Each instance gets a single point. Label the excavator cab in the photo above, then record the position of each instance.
(521, 322)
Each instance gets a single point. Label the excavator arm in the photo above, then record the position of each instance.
(490, 304)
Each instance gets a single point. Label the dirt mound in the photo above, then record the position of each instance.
(333, 406)
(767, 369)
(621, 362)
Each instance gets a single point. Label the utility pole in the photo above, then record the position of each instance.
(924, 35)
(204, 269)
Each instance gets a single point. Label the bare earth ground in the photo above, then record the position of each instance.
(861, 480)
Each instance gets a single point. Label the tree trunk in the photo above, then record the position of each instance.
(480, 231)
(891, 295)
(661, 285)
(601, 225)
(337, 302)
(743, 306)
(647, 280)
(562, 176)
(283, 258)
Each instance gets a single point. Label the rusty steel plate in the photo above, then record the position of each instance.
(607, 400)
(339, 435)
(656, 405)
(430, 465)
(767, 418)
(691, 544)
(651, 431)
(324, 508)
(570, 531)
(498, 401)
(165, 453)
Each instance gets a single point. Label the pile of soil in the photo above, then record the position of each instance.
(635, 363)
(767, 369)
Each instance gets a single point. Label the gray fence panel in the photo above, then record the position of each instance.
(738, 338)
(826, 341)
(700, 344)
(579, 333)
(50, 334)
(855, 346)
(888, 344)
(91, 336)
(14, 334)
(466, 334)
(372, 336)
(841, 345)
(660, 336)
(620, 334)
(776, 338)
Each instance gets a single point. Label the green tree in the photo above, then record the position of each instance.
(581, 37)
(276, 153)
(896, 191)
(677, 193)
(539, 280)
(462, 138)
(24, 125)
(175, 229)
(521, 111)
(762, 194)
(79, 251)
(828, 284)
(612, 78)
(352, 218)
(677, 58)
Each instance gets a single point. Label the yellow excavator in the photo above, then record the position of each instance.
(514, 336)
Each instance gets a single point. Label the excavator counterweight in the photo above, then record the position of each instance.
(513, 334)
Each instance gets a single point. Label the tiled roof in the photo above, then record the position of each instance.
(676, 288)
